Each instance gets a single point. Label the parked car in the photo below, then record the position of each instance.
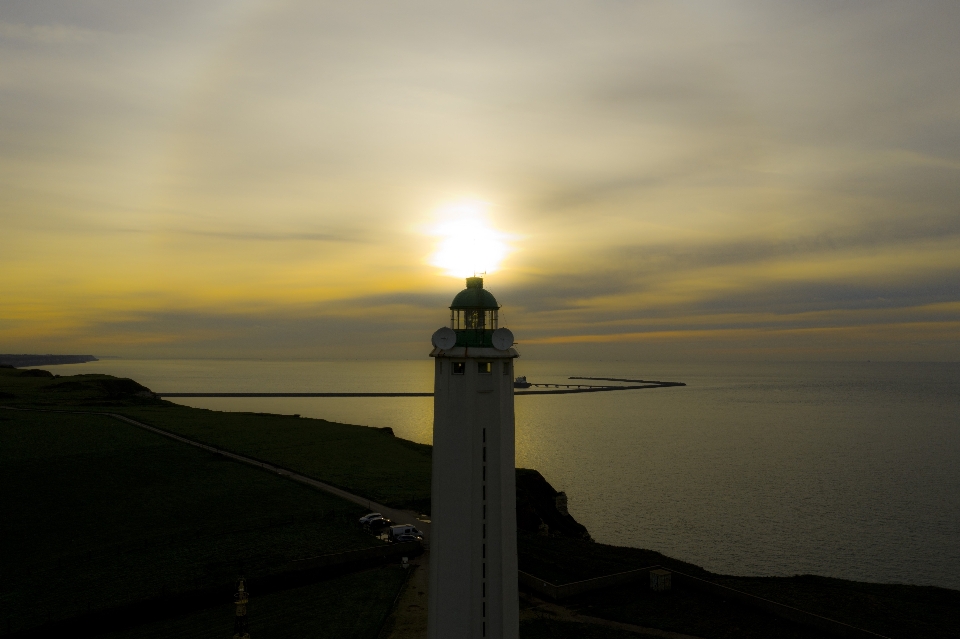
(378, 524)
(407, 537)
(370, 517)
(404, 529)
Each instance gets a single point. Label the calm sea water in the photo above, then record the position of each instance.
(847, 470)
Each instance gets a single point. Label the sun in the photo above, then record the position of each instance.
(466, 241)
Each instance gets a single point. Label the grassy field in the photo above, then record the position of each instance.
(366, 461)
(352, 606)
(563, 560)
(98, 514)
(889, 609)
(688, 612)
(568, 560)
(895, 610)
(556, 629)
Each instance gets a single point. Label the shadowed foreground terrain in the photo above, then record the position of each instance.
(891, 610)
(97, 515)
(113, 529)
(366, 461)
(353, 605)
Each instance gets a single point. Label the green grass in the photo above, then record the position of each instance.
(102, 513)
(562, 560)
(352, 606)
(367, 461)
(97, 514)
(39, 388)
(685, 611)
(888, 609)
(556, 629)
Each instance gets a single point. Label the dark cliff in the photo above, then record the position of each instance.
(542, 509)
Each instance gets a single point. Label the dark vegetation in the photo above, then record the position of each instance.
(366, 461)
(893, 610)
(98, 513)
(563, 560)
(538, 509)
(10, 359)
(546, 628)
(688, 612)
(353, 605)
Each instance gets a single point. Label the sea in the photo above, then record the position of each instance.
(848, 470)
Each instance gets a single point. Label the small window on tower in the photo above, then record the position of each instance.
(459, 367)
(506, 367)
(484, 367)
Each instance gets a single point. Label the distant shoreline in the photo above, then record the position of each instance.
(21, 360)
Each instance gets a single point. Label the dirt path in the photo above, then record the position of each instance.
(408, 620)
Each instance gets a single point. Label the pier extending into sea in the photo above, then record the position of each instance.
(549, 389)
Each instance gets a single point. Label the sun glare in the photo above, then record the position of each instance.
(466, 242)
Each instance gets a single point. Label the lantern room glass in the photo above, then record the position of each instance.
(476, 319)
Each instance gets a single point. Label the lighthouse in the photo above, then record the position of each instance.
(473, 539)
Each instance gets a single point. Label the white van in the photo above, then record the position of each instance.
(404, 529)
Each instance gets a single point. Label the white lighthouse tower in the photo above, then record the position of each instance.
(473, 539)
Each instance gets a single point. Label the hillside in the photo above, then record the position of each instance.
(91, 497)
(21, 360)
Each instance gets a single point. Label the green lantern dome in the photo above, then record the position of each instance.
(473, 314)
(474, 296)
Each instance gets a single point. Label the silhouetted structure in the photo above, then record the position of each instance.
(240, 622)
(473, 542)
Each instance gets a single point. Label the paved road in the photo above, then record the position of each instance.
(399, 516)
(408, 619)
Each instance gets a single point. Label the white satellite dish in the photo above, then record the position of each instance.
(502, 339)
(444, 338)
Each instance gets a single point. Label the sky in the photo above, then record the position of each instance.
(653, 180)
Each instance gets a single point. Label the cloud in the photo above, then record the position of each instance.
(201, 168)
(46, 34)
(270, 236)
